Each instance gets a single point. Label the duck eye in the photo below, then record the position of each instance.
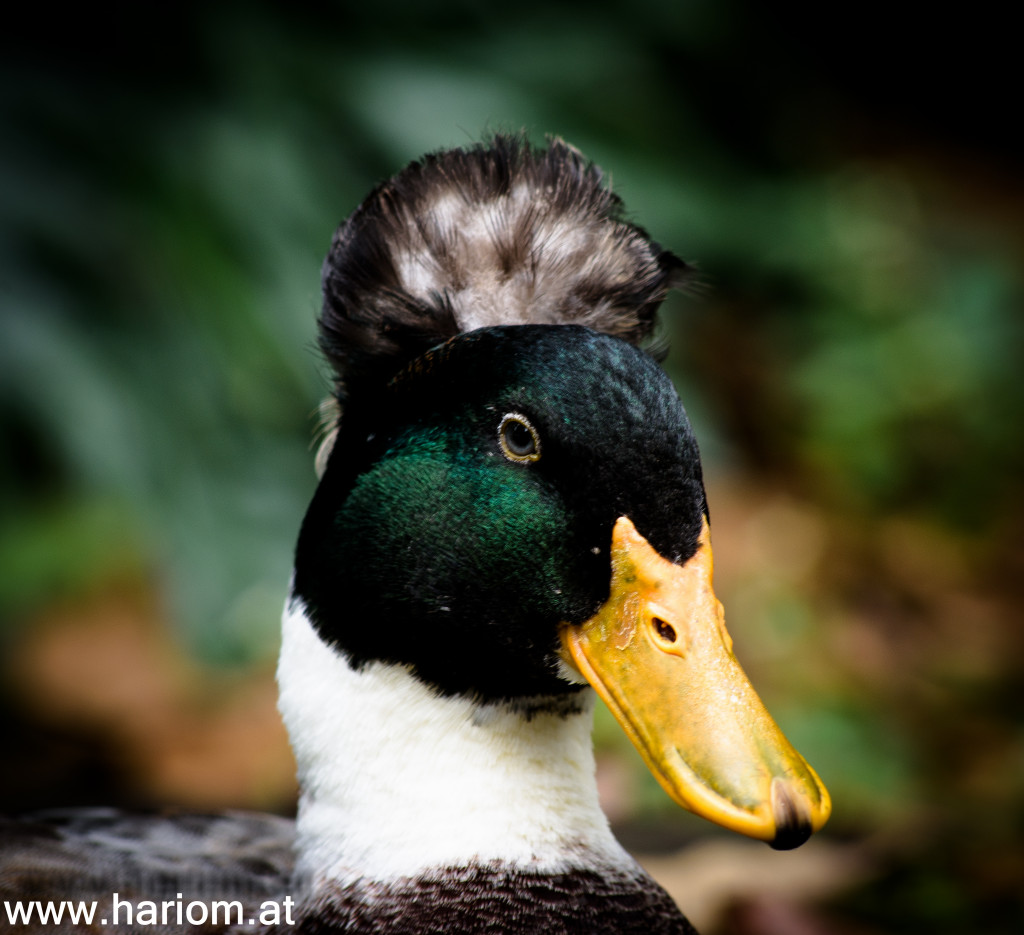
(518, 439)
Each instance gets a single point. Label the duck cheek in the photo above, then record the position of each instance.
(659, 655)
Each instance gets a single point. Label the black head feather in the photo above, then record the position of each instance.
(499, 233)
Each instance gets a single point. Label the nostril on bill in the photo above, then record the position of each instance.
(665, 630)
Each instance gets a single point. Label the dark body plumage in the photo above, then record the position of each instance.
(489, 900)
(97, 855)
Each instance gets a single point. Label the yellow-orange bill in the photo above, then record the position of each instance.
(659, 655)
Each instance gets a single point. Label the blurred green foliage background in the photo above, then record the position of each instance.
(849, 185)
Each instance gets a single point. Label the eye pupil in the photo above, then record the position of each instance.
(518, 438)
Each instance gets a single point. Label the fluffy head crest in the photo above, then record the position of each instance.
(494, 234)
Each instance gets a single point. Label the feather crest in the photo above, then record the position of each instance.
(498, 233)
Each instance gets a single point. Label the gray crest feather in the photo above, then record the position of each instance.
(498, 233)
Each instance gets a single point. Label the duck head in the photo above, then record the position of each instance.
(520, 515)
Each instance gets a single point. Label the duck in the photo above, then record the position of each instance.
(510, 523)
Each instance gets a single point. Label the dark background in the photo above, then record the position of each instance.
(848, 181)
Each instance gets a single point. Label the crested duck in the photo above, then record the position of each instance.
(510, 522)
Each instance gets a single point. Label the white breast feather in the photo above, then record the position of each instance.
(397, 780)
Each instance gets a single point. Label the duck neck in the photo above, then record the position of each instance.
(398, 781)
